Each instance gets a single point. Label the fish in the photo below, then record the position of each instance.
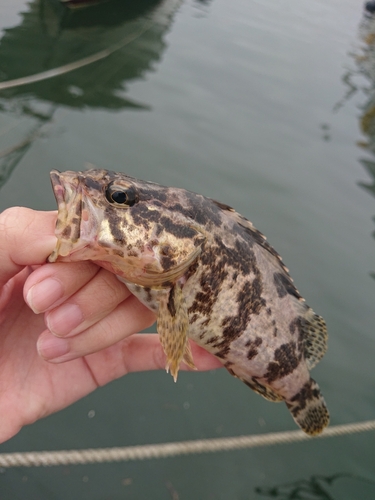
(207, 273)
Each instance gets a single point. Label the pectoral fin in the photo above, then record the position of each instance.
(172, 327)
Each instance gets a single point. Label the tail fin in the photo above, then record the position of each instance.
(309, 409)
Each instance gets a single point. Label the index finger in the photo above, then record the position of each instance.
(27, 237)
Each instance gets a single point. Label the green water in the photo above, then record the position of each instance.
(266, 106)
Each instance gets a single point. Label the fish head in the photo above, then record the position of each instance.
(127, 226)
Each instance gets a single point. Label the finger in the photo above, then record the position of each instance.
(141, 352)
(93, 302)
(51, 284)
(27, 238)
(128, 317)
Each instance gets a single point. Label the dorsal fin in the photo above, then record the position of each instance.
(314, 337)
(314, 331)
(255, 234)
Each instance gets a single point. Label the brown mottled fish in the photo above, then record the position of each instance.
(207, 273)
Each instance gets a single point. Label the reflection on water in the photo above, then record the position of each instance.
(321, 488)
(362, 79)
(51, 37)
(366, 66)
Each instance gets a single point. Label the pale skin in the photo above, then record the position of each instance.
(65, 328)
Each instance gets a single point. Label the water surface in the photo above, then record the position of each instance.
(266, 106)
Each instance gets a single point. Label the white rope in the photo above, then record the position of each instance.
(143, 452)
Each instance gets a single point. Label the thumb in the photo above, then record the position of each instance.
(26, 238)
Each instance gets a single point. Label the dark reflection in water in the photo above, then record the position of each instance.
(51, 36)
(366, 66)
(322, 488)
(362, 79)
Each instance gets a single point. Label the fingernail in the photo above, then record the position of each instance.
(44, 294)
(52, 348)
(64, 319)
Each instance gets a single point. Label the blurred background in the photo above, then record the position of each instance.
(266, 106)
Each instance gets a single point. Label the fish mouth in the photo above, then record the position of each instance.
(68, 193)
(66, 187)
(57, 186)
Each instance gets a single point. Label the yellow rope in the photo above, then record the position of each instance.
(100, 455)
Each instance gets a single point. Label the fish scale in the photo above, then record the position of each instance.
(207, 272)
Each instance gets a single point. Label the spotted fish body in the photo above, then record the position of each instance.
(208, 274)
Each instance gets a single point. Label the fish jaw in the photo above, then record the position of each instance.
(77, 222)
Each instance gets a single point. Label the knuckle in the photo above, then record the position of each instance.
(74, 274)
(113, 287)
(11, 218)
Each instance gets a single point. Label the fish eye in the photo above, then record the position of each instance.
(119, 195)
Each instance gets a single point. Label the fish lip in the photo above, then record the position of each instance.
(66, 186)
(68, 193)
(57, 186)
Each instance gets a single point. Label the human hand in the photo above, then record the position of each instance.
(91, 314)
